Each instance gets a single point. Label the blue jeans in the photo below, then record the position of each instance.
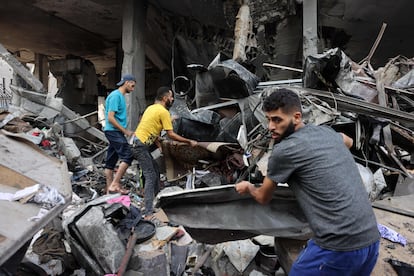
(150, 172)
(314, 260)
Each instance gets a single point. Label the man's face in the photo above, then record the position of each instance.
(129, 86)
(280, 124)
(169, 99)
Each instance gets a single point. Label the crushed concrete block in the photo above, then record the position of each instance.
(150, 263)
(178, 258)
(69, 148)
(101, 239)
(241, 253)
(165, 232)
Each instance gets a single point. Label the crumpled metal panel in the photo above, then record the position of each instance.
(219, 214)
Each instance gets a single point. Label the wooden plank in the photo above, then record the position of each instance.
(15, 179)
(83, 123)
(402, 205)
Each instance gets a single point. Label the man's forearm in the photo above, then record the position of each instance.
(262, 194)
(179, 138)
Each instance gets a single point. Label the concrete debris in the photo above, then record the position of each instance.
(241, 253)
(201, 225)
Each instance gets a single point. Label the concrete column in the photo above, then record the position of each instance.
(42, 69)
(310, 28)
(241, 32)
(133, 45)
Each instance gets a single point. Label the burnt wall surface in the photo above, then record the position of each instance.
(276, 31)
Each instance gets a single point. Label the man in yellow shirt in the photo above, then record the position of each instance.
(155, 119)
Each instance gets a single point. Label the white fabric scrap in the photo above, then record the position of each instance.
(20, 193)
(6, 196)
(43, 194)
(41, 214)
(26, 192)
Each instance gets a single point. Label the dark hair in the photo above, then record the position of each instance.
(285, 99)
(161, 92)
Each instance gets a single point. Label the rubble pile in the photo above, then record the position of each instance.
(199, 227)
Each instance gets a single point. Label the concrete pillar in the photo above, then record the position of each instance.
(42, 69)
(310, 28)
(241, 32)
(133, 45)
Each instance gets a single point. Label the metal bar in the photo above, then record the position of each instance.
(282, 67)
(279, 82)
(346, 103)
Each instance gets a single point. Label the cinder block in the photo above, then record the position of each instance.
(150, 263)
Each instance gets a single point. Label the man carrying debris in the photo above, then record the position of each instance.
(115, 131)
(156, 118)
(321, 171)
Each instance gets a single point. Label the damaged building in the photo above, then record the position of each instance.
(351, 65)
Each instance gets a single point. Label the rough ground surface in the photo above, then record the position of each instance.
(388, 249)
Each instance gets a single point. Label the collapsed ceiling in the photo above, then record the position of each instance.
(197, 30)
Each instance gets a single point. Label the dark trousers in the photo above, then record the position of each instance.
(150, 172)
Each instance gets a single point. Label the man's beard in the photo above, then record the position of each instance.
(168, 104)
(289, 130)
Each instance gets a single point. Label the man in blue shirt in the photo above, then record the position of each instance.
(115, 131)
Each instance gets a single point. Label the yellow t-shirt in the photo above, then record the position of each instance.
(155, 118)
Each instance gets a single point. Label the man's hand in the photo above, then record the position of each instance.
(243, 187)
(262, 194)
(128, 133)
(193, 143)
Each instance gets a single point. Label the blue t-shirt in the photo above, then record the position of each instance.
(116, 102)
(322, 173)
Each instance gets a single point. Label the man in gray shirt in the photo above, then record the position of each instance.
(316, 163)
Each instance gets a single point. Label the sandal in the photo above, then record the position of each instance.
(119, 190)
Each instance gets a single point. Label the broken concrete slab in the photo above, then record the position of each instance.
(21, 70)
(178, 258)
(101, 239)
(23, 164)
(397, 204)
(83, 124)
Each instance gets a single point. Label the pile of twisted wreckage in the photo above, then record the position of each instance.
(203, 226)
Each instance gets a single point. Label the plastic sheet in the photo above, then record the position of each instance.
(225, 78)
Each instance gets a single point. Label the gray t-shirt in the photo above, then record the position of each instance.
(325, 179)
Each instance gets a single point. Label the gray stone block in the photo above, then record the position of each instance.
(150, 263)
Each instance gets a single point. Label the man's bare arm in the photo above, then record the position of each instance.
(262, 194)
(114, 122)
(180, 138)
(348, 141)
